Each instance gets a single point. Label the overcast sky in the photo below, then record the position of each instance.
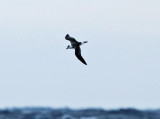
(122, 53)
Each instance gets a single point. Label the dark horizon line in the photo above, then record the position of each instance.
(79, 108)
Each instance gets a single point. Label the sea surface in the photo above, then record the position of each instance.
(67, 113)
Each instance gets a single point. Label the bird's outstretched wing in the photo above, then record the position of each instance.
(78, 55)
(71, 39)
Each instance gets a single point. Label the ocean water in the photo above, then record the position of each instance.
(66, 113)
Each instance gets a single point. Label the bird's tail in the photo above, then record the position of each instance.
(83, 42)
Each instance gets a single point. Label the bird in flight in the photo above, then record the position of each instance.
(76, 45)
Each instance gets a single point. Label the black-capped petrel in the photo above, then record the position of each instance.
(76, 45)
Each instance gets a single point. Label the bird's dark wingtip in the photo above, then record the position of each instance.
(66, 36)
(85, 63)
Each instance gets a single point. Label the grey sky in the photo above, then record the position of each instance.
(122, 53)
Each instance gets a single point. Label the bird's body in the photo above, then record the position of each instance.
(76, 45)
